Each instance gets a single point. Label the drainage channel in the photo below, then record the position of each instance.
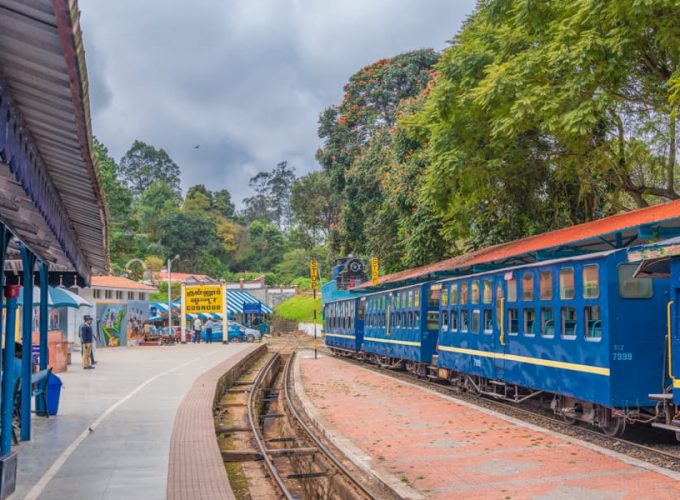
(268, 450)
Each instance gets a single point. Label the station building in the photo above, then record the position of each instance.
(52, 213)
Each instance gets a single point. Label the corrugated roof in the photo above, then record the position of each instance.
(120, 283)
(43, 63)
(618, 230)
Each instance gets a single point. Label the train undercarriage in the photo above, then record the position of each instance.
(611, 421)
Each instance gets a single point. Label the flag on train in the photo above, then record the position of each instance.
(374, 270)
(314, 274)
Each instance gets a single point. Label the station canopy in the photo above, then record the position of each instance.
(637, 227)
(50, 192)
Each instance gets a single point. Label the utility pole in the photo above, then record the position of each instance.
(170, 293)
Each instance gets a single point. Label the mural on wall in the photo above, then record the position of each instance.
(57, 319)
(111, 328)
(137, 315)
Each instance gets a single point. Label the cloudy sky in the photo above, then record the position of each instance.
(244, 79)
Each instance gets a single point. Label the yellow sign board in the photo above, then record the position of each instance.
(375, 270)
(314, 274)
(204, 299)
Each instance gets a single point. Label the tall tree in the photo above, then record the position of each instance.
(143, 165)
(271, 201)
(315, 204)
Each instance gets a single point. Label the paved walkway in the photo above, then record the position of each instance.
(444, 448)
(129, 402)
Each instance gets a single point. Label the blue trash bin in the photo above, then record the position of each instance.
(53, 393)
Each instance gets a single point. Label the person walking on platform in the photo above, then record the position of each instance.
(86, 338)
(197, 331)
(208, 331)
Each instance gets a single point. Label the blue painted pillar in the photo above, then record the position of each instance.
(28, 263)
(7, 404)
(7, 389)
(44, 323)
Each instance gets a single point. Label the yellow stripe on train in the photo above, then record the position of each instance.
(597, 370)
(390, 341)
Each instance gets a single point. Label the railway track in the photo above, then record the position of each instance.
(646, 443)
(297, 461)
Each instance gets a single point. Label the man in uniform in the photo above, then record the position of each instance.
(86, 337)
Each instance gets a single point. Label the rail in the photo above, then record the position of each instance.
(318, 443)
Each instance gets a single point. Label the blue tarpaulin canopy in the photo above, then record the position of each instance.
(56, 297)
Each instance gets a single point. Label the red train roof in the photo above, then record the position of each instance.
(617, 231)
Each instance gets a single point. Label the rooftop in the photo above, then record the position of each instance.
(617, 231)
(121, 283)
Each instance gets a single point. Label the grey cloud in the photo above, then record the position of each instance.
(244, 79)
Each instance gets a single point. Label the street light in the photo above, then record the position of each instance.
(170, 293)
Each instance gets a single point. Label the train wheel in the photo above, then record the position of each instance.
(610, 425)
(567, 419)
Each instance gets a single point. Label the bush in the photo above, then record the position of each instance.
(302, 283)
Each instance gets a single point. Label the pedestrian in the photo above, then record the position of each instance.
(86, 338)
(197, 331)
(208, 331)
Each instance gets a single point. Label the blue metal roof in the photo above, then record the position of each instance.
(235, 301)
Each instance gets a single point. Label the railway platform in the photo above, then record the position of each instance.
(112, 436)
(429, 445)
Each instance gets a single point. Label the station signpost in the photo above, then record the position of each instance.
(314, 277)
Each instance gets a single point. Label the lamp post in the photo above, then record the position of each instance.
(170, 293)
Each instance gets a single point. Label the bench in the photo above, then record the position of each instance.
(39, 388)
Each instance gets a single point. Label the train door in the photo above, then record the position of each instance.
(673, 333)
(500, 326)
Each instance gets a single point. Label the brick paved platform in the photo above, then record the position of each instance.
(129, 402)
(196, 470)
(444, 448)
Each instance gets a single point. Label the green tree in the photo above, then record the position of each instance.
(154, 205)
(315, 204)
(143, 165)
(271, 201)
(260, 248)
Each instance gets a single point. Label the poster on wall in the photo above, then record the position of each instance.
(111, 327)
(137, 315)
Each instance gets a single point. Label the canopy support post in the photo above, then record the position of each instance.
(44, 317)
(28, 262)
(7, 400)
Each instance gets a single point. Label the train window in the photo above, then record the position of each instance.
(444, 301)
(591, 281)
(416, 298)
(487, 292)
(512, 290)
(432, 320)
(547, 322)
(476, 319)
(593, 323)
(453, 295)
(464, 321)
(545, 284)
(404, 324)
(567, 290)
(487, 321)
(362, 309)
(474, 292)
(454, 321)
(568, 322)
(463, 294)
(410, 298)
(417, 318)
(397, 300)
(434, 296)
(513, 321)
(410, 319)
(529, 322)
(499, 309)
(445, 322)
(528, 286)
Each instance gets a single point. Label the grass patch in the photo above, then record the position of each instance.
(299, 308)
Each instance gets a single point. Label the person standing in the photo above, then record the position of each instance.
(86, 338)
(208, 331)
(197, 331)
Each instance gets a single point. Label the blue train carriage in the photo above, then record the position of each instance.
(581, 329)
(344, 325)
(661, 261)
(401, 327)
